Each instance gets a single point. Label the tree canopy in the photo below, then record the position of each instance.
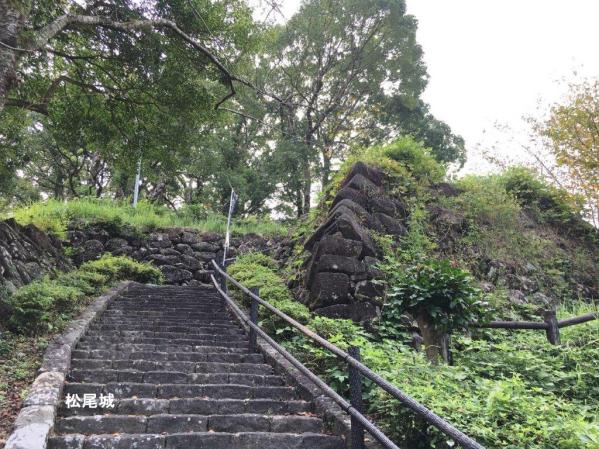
(205, 96)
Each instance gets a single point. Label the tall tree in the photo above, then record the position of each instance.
(572, 134)
(338, 65)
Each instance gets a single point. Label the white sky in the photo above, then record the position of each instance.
(493, 60)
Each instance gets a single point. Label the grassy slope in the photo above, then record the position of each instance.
(55, 216)
(507, 389)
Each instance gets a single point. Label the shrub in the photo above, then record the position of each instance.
(406, 162)
(255, 270)
(45, 305)
(88, 282)
(446, 295)
(117, 268)
(38, 307)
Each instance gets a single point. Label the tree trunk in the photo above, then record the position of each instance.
(11, 23)
(326, 168)
(307, 186)
(435, 341)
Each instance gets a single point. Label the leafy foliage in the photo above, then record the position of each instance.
(45, 305)
(572, 135)
(118, 268)
(255, 270)
(445, 294)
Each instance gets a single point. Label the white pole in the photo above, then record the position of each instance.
(137, 182)
(227, 235)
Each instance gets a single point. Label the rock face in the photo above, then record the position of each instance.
(341, 272)
(183, 255)
(26, 254)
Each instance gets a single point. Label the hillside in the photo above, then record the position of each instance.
(404, 254)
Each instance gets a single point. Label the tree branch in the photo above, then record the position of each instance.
(46, 33)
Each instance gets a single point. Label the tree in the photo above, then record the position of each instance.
(43, 30)
(571, 132)
(342, 68)
(109, 83)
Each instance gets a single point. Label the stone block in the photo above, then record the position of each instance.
(329, 288)
(337, 245)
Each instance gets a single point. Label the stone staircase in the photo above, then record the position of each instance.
(182, 377)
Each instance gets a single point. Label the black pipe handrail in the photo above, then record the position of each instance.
(578, 319)
(345, 406)
(429, 416)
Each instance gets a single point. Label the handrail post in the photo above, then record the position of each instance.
(253, 319)
(223, 279)
(355, 393)
(550, 317)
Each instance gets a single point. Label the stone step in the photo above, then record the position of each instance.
(166, 321)
(195, 406)
(199, 440)
(178, 423)
(146, 310)
(207, 334)
(173, 313)
(221, 357)
(136, 347)
(163, 337)
(171, 377)
(183, 366)
(130, 390)
(156, 327)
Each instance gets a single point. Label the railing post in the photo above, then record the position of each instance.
(355, 393)
(223, 279)
(253, 318)
(550, 317)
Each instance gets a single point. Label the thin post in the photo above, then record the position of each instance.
(355, 393)
(550, 317)
(253, 319)
(137, 182)
(223, 279)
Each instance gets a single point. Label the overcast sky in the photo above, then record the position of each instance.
(493, 60)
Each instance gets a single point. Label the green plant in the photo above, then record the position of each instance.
(445, 295)
(56, 216)
(256, 270)
(116, 268)
(38, 306)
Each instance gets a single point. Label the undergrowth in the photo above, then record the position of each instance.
(47, 304)
(53, 215)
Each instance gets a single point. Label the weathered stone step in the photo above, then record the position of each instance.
(165, 337)
(131, 390)
(127, 348)
(200, 440)
(221, 357)
(195, 406)
(167, 321)
(171, 377)
(177, 423)
(164, 365)
(148, 310)
(118, 328)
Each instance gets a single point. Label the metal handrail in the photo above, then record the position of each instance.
(346, 406)
(429, 416)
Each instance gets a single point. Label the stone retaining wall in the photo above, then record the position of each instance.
(341, 272)
(183, 255)
(27, 254)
